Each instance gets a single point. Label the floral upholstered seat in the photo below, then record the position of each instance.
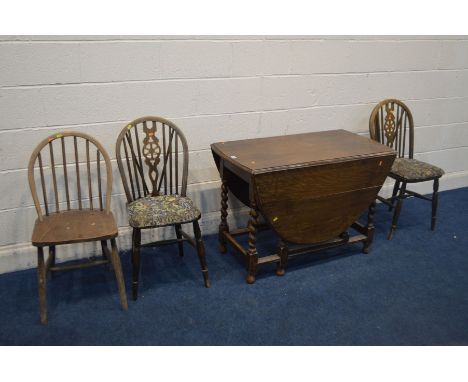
(415, 170)
(162, 210)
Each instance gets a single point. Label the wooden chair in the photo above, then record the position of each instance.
(77, 217)
(154, 174)
(391, 123)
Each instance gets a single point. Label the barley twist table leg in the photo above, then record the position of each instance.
(252, 251)
(223, 226)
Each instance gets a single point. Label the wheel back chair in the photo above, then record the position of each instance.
(391, 123)
(152, 156)
(79, 214)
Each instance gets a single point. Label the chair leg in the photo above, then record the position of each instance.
(201, 252)
(136, 242)
(394, 193)
(106, 254)
(51, 262)
(370, 228)
(396, 214)
(115, 259)
(104, 249)
(435, 201)
(178, 229)
(41, 284)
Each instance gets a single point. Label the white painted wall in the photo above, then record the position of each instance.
(217, 88)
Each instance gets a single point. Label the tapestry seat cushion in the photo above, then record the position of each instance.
(162, 210)
(415, 170)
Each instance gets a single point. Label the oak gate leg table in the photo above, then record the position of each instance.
(310, 189)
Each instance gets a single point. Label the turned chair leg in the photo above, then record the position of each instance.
(201, 252)
(396, 214)
(178, 230)
(106, 254)
(136, 242)
(115, 259)
(435, 200)
(51, 262)
(394, 193)
(104, 250)
(41, 284)
(370, 228)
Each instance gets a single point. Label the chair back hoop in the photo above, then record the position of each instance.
(70, 169)
(152, 156)
(391, 123)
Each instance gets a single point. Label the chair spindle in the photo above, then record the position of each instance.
(88, 166)
(78, 183)
(44, 192)
(65, 174)
(98, 164)
(54, 176)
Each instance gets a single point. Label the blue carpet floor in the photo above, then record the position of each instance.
(409, 291)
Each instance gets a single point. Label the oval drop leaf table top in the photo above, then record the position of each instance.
(309, 187)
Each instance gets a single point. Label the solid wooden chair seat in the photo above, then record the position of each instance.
(74, 226)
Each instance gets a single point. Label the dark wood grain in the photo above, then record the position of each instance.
(298, 150)
(310, 188)
(74, 226)
(319, 202)
(391, 123)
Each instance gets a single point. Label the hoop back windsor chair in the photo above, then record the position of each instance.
(76, 216)
(152, 155)
(391, 123)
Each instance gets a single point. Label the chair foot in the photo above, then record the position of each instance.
(201, 253)
(135, 290)
(222, 248)
(433, 224)
(206, 279)
(391, 233)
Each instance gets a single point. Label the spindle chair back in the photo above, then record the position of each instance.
(70, 177)
(75, 187)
